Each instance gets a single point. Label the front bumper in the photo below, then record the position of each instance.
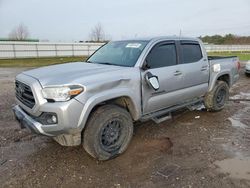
(68, 113)
(62, 137)
(26, 121)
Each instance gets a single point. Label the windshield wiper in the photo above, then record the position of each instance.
(107, 63)
(89, 61)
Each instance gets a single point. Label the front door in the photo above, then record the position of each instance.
(162, 62)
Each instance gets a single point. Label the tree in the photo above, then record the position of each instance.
(226, 39)
(97, 33)
(19, 33)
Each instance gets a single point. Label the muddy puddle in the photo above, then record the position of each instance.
(235, 167)
(239, 166)
(241, 118)
(237, 123)
(241, 96)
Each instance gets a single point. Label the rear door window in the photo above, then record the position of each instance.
(191, 52)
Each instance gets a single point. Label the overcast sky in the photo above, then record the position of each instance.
(72, 20)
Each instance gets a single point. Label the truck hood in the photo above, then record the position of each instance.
(73, 73)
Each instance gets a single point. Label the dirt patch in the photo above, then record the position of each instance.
(163, 144)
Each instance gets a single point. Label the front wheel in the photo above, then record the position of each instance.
(108, 132)
(215, 100)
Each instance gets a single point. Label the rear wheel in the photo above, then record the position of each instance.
(108, 132)
(215, 100)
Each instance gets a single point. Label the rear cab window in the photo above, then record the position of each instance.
(190, 52)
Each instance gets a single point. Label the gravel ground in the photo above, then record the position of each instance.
(194, 149)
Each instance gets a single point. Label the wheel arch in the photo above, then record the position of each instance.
(125, 101)
(223, 76)
(122, 101)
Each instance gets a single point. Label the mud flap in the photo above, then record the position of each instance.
(68, 139)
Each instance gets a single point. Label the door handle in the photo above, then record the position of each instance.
(177, 73)
(203, 68)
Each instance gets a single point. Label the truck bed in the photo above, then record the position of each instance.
(228, 65)
(220, 57)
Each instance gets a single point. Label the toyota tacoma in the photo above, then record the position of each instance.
(95, 103)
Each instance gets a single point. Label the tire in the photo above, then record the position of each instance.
(108, 132)
(215, 100)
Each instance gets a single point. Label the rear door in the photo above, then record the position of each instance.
(194, 67)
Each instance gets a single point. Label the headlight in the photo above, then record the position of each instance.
(61, 93)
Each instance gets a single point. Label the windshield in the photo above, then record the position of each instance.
(120, 53)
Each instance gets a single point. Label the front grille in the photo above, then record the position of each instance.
(24, 94)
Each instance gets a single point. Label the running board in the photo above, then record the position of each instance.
(197, 106)
(166, 113)
(162, 118)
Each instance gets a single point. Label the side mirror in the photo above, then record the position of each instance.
(152, 81)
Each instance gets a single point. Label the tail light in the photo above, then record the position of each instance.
(238, 65)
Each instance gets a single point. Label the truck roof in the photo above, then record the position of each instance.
(163, 38)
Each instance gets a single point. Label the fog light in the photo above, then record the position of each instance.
(51, 119)
(48, 118)
(54, 119)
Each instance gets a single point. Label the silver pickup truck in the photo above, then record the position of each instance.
(95, 103)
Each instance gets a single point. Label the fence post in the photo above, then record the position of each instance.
(37, 53)
(56, 49)
(88, 50)
(73, 51)
(14, 49)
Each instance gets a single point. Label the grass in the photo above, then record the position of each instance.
(38, 62)
(244, 56)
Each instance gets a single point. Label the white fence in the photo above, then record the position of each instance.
(46, 49)
(227, 48)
